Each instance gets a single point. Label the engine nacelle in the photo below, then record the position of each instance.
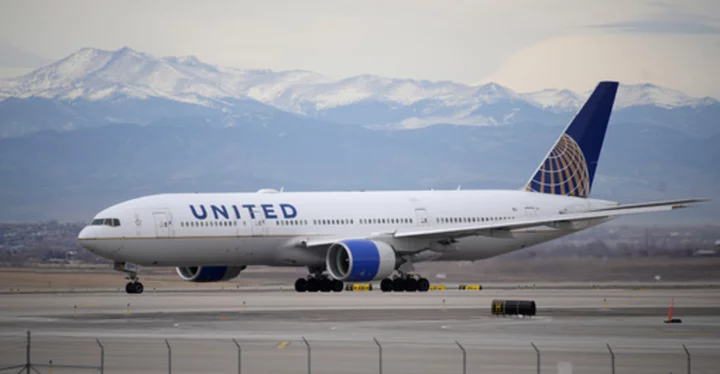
(360, 260)
(209, 273)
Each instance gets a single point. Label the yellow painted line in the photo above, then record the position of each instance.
(283, 344)
(88, 306)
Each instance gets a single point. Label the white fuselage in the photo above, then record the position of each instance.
(267, 228)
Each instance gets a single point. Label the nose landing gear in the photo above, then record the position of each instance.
(133, 286)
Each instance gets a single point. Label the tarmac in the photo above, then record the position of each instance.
(416, 332)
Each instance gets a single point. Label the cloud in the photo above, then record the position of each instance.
(671, 18)
(681, 61)
(662, 26)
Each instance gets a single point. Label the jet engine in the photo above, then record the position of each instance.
(360, 260)
(209, 273)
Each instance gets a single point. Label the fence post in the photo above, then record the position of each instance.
(28, 364)
(239, 356)
(538, 356)
(309, 355)
(169, 357)
(688, 358)
(379, 353)
(612, 358)
(102, 357)
(464, 357)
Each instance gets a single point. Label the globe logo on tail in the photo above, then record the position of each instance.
(564, 171)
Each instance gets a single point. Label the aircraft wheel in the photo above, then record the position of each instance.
(398, 285)
(301, 285)
(326, 285)
(313, 285)
(138, 288)
(423, 285)
(386, 285)
(129, 288)
(411, 285)
(337, 285)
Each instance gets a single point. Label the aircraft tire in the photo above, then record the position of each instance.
(423, 285)
(386, 285)
(138, 288)
(398, 285)
(129, 288)
(301, 285)
(337, 285)
(411, 285)
(326, 285)
(313, 285)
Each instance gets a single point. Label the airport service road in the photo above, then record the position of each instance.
(416, 331)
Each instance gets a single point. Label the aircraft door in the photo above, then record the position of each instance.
(258, 227)
(421, 217)
(531, 211)
(162, 224)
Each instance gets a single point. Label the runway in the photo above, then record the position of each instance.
(417, 332)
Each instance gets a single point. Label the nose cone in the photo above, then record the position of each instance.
(85, 236)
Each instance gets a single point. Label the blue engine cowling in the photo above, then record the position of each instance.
(360, 260)
(209, 273)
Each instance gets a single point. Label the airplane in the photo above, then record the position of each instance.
(364, 236)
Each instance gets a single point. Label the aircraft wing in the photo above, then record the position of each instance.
(499, 228)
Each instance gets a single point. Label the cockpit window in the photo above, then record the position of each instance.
(112, 222)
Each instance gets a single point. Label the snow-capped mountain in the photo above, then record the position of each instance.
(627, 96)
(94, 74)
(554, 99)
(99, 76)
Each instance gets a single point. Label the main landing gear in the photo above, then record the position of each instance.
(133, 286)
(317, 281)
(405, 283)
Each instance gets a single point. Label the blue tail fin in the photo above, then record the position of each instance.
(569, 167)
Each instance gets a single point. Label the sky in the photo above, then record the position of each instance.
(525, 45)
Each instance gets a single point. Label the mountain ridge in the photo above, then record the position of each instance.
(125, 74)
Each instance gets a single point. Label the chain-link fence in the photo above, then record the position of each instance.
(128, 354)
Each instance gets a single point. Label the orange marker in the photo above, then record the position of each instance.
(670, 313)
